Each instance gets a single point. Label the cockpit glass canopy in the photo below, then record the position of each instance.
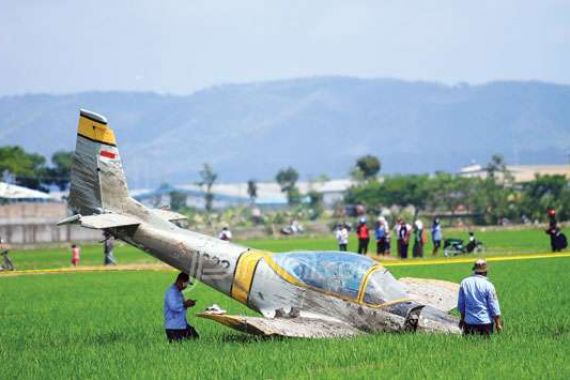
(336, 272)
(382, 287)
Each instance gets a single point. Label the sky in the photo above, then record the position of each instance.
(181, 46)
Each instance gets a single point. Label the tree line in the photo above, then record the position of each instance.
(32, 170)
(493, 199)
(490, 200)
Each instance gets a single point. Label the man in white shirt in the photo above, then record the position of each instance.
(226, 234)
(342, 237)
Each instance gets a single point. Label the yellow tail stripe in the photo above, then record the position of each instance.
(96, 131)
(243, 278)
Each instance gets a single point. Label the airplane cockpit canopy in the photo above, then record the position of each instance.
(342, 274)
(382, 287)
(334, 272)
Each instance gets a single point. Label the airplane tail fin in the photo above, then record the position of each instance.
(98, 183)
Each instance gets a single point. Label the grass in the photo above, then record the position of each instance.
(497, 242)
(109, 325)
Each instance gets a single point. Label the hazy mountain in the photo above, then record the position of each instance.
(317, 125)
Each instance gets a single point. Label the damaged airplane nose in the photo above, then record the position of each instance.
(433, 320)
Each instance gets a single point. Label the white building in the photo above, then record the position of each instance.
(520, 173)
(269, 194)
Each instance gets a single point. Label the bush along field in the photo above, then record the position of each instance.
(109, 325)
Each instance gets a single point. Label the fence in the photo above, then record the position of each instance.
(30, 223)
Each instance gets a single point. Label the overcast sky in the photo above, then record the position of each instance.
(180, 46)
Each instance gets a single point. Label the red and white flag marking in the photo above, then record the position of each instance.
(108, 154)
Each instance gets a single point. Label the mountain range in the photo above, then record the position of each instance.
(317, 125)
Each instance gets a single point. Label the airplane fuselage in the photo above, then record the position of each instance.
(253, 278)
(353, 290)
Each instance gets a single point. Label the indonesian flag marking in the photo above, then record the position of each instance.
(107, 154)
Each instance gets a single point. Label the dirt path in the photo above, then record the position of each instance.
(94, 268)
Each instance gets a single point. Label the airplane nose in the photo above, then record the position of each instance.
(435, 320)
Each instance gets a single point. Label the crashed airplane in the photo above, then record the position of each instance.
(298, 294)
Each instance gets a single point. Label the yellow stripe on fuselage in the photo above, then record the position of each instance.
(283, 273)
(243, 278)
(96, 131)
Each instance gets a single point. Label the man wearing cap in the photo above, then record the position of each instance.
(363, 237)
(175, 323)
(478, 303)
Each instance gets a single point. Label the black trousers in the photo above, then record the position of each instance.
(418, 250)
(177, 335)
(381, 246)
(486, 330)
(342, 247)
(403, 249)
(363, 246)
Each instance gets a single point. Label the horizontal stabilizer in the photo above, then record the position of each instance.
(101, 221)
(171, 216)
(299, 327)
(439, 294)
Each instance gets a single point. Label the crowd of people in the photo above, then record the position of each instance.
(404, 233)
(417, 236)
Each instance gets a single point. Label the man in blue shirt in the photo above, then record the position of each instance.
(478, 303)
(175, 323)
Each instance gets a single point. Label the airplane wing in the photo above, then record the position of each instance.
(171, 216)
(439, 294)
(298, 327)
(101, 221)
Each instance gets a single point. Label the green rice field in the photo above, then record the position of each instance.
(109, 325)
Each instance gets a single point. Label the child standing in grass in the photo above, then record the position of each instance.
(74, 255)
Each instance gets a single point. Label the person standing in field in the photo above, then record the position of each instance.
(404, 232)
(75, 255)
(342, 237)
(478, 303)
(397, 228)
(436, 236)
(558, 240)
(108, 246)
(380, 233)
(175, 323)
(225, 234)
(363, 237)
(387, 229)
(418, 249)
(6, 263)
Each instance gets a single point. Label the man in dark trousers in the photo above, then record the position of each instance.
(363, 237)
(558, 240)
(478, 303)
(175, 323)
(108, 245)
(404, 232)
